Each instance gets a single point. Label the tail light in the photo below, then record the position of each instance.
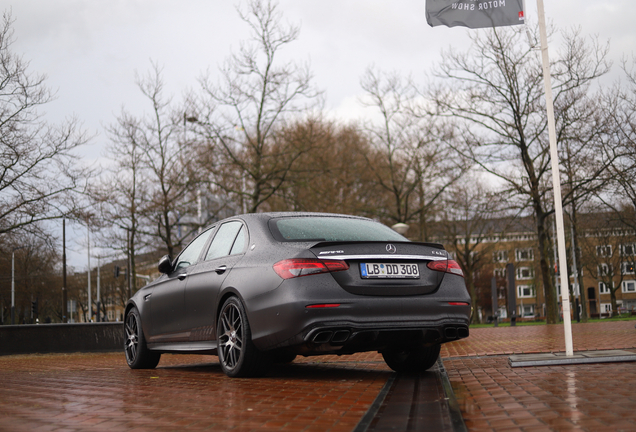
(448, 266)
(297, 267)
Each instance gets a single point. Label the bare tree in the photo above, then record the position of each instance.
(39, 171)
(620, 149)
(36, 277)
(499, 97)
(608, 246)
(415, 164)
(333, 175)
(255, 95)
(470, 220)
(122, 194)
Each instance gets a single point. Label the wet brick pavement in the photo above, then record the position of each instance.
(495, 397)
(98, 392)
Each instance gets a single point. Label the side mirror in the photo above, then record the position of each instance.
(165, 264)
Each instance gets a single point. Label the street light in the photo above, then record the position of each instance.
(400, 228)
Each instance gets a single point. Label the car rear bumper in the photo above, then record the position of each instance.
(354, 323)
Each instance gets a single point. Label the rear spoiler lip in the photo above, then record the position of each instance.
(385, 257)
(341, 255)
(336, 243)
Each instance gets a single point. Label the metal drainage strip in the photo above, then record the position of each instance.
(415, 402)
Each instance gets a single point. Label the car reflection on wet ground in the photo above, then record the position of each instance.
(330, 393)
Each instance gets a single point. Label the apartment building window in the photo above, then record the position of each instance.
(627, 268)
(629, 286)
(604, 288)
(500, 256)
(526, 291)
(526, 311)
(604, 269)
(526, 254)
(606, 308)
(111, 315)
(628, 249)
(499, 272)
(524, 273)
(604, 250)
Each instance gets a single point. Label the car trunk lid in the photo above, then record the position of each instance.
(385, 268)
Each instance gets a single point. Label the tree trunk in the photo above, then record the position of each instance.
(550, 295)
(579, 267)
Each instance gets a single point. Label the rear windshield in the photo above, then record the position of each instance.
(325, 228)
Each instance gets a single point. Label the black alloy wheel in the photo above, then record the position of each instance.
(138, 356)
(417, 359)
(237, 354)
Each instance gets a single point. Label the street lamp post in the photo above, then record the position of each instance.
(13, 287)
(13, 283)
(90, 304)
(64, 292)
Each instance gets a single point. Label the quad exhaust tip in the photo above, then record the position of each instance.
(336, 337)
(455, 332)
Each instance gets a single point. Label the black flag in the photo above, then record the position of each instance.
(474, 13)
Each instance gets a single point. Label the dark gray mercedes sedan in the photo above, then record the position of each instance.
(262, 288)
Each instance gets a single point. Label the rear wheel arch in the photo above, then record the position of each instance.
(238, 355)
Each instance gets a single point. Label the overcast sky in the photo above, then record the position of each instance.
(90, 50)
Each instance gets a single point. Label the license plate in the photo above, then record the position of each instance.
(390, 271)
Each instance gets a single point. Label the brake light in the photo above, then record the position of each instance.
(297, 267)
(448, 266)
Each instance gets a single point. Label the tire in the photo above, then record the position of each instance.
(138, 356)
(238, 355)
(412, 359)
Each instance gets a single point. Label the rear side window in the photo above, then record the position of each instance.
(325, 228)
(229, 234)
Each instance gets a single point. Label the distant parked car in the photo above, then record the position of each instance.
(262, 288)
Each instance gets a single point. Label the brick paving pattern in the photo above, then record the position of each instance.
(495, 397)
(543, 338)
(78, 392)
(99, 392)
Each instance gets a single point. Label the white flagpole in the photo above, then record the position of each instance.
(556, 182)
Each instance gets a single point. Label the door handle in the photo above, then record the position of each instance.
(182, 276)
(221, 269)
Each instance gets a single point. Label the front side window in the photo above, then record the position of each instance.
(191, 253)
(627, 268)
